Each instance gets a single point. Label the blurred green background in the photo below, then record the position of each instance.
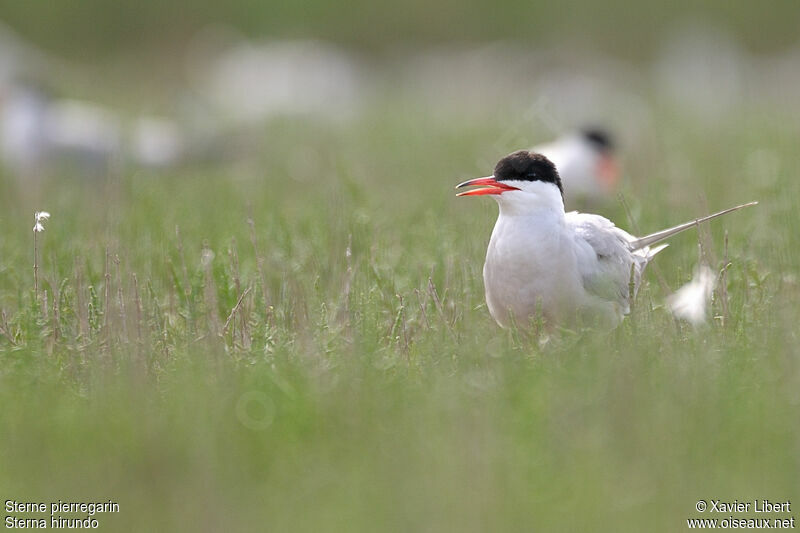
(98, 29)
(279, 325)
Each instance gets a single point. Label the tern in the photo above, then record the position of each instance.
(567, 268)
(586, 163)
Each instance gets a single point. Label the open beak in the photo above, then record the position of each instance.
(490, 186)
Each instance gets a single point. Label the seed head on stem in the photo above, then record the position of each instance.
(39, 219)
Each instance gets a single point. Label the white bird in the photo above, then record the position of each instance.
(36, 130)
(569, 268)
(586, 163)
(39, 132)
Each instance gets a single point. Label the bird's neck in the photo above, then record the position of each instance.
(545, 201)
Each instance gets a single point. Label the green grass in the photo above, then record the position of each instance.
(361, 384)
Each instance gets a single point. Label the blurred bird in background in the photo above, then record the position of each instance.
(36, 130)
(39, 130)
(587, 164)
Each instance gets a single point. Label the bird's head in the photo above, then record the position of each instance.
(600, 142)
(521, 181)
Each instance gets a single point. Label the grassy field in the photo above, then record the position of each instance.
(300, 342)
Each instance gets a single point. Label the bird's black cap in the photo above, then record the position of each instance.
(527, 166)
(599, 138)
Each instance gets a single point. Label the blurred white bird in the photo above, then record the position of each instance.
(573, 268)
(586, 163)
(22, 117)
(36, 130)
(41, 131)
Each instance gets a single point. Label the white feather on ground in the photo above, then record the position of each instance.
(690, 302)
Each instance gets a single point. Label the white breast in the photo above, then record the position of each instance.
(531, 269)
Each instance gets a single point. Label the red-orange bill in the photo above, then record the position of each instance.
(490, 186)
(608, 172)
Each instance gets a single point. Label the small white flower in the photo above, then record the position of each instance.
(38, 218)
(690, 301)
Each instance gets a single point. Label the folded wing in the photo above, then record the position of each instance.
(605, 260)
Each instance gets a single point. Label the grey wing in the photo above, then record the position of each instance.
(604, 260)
